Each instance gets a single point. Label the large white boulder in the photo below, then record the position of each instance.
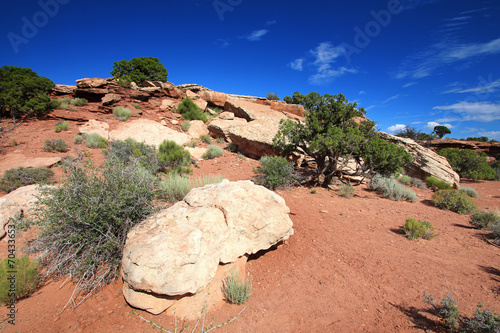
(149, 131)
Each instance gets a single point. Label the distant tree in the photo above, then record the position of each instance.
(297, 98)
(23, 92)
(441, 131)
(139, 70)
(288, 99)
(468, 163)
(334, 131)
(273, 96)
(480, 139)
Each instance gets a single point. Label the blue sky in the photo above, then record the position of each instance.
(407, 62)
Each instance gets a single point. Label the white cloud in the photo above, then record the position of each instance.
(268, 23)
(362, 92)
(409, 84)
(297, 64)
(326, 73)
(391, 98)
(396, 128)
(431, 124)
(257, 35)
(443, 53)
(472, 111)
(484, 87)
(491, 134)
(325, 55)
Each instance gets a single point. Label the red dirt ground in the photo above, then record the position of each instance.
(347, 268)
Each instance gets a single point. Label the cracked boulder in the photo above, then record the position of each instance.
(176, 252)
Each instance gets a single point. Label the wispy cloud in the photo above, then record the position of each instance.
(391, 98)
(396, 128)
(491, 134)
(409, 84)
(444, 53)
(223, 43)
(362, 92)
(471, 111)
(268, 23)
(325, 54)
(257, 35)
(297, 64)
(431, 124)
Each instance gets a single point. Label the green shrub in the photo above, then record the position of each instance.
(191, 111)
(434, 182)
(347, 190)
(54, 104)
(220, 140)
(185, 126)
(138, 106)
(84, 222)
(390, 188)
(174, 158)
(469, 191)
(61, 126)
(94, 140)
(213, 152)
(495, 230)
(78, 139)
(65, 100)
(405, 180)
(415, 182)
(206, 138)
(384, 157)
(79, 101)
(130, 150)
(139, 70)
(236, 292)
(121, 113)
(272, 96)
(55, 145)
(22, 273)
(232, 147)
(15, 178)
(175, 187)
(418, 229)
(72, 108)
(483, 219)
(483, 321)
(274, 172)
(497, 173)
(192, 143)
(454, 200)
(64, 106)
(468, 163)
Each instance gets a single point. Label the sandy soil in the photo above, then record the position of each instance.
(347, 268)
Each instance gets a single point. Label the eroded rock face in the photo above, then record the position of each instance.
(63, 89)
(425, 162)
(149, 131)
(178, 250)
(8, 209)
(95, 126)
(26, 198)
(255, 138)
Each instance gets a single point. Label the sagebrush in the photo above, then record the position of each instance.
(454, 200)
(391, 189)
(15, 178)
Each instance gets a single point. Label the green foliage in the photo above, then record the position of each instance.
(15, 178)
(454, 200)
(94, 140)
(408, 132)
(273, 96)
(121, 113)
(411, 181)
(185, 126)
(61, 126)
(390, 188)
(56, 145)
(297, 98)
(405, 180)
(18, 279)
(192, 143)
(191, 111)
(78, 139)
(54, 104)
(288, 100)
(346, 190)
(129, 151)
(468, 164)
(418, 229)
(330, 134)
(23, 92)
(213, 151)
(79, 101)
(441, 131)
(84, 222)
(139, 70)
(434, 182)
(174, 158)
(448, 310)
(483, 219)
(469, 191)
(232, 147)
(383, 157)
(236, 291)
(206, 138)
(138, 106)
(275, 172)
(480, 139)
(175, 187)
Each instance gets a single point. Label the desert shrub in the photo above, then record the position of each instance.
(78, 139)
(236, 291)
(347, 190)
(21, 272)
(192, 143)
(213, 151)
(468, 163)
(191, 111)
(405, 180)
(138, 106)
(275, 172)
(390, 188)
(220, 140)
(55, 145)
(469, 191)
(121, 113)
(232, 147)
(175, 187)
(483, 219)
(61, 126)
(497, 173)
(84, 222)
(415, 182)
(65, 100)
(64, 106)
(272, 96)
(434, 182)
(384, 158)
(447, 310)
(483, 321)
(185, 126)
(54, 104)
(418, 229)
(495, 230)
(174, 158)
(79, 101)
(94, 140)
(206, 138)
(130, 150)
(454, 200)
(139, 70)
(15, 178)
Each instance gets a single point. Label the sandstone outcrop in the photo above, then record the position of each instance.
(149, 131)
(94, 126)
(8, 209)
(177, 251)
(63, 89)
(425, 162)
